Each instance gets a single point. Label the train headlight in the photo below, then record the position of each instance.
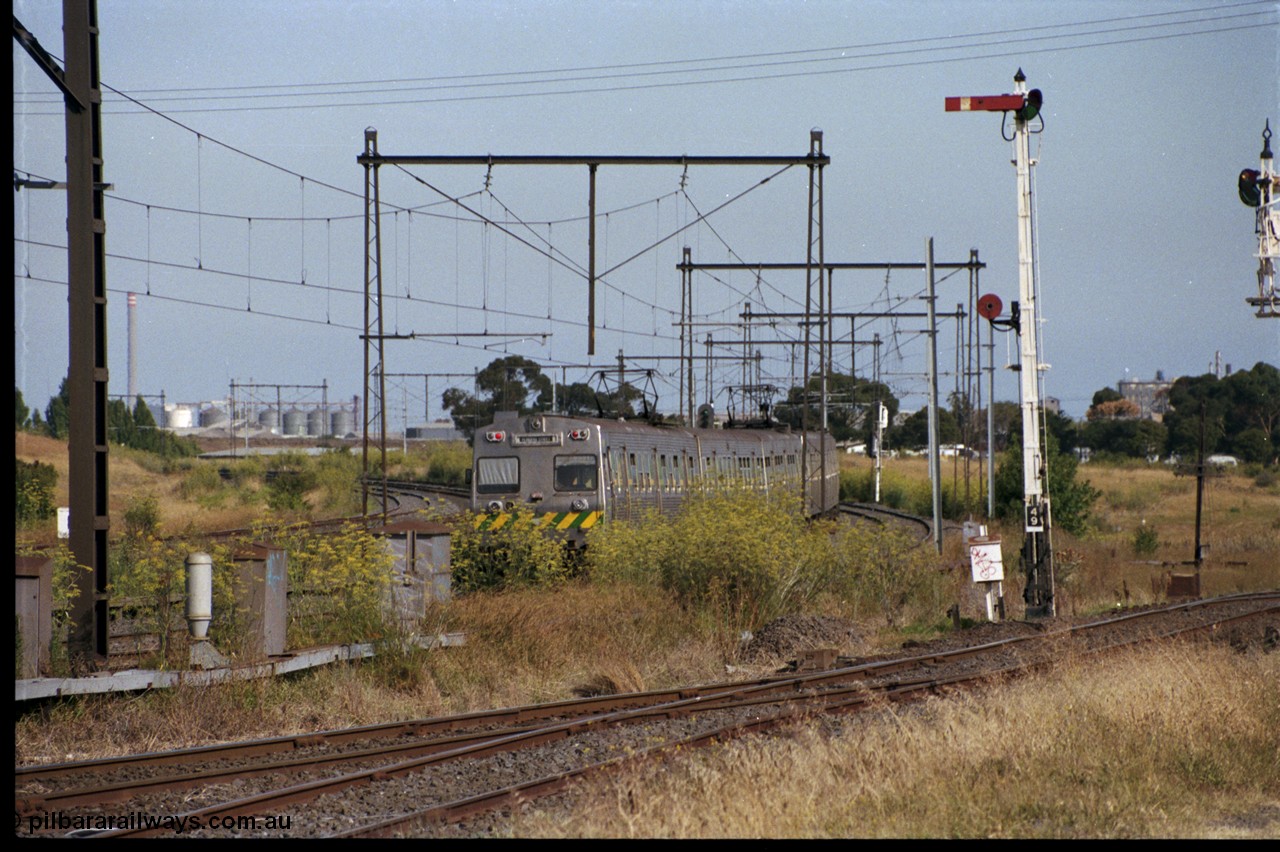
(580, 434)
(578, 505)
(495, 437)
(494, 506)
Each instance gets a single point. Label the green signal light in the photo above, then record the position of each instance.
(1031, 107)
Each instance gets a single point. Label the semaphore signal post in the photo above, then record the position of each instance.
(1037, 557)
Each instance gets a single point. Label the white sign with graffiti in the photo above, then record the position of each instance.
(985, 560)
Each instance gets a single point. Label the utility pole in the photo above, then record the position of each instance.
(1200, 494)
(935, 464)
(1037, 558)
(87, 318)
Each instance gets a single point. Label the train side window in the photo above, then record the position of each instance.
(617, 467)
(497, 475)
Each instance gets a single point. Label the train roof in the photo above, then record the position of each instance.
(640, 426)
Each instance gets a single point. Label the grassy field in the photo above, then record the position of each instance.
(1173, 742)
(1142, 529)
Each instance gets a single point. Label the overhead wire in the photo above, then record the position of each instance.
(606, 73)
(249, 277)
(189, 91)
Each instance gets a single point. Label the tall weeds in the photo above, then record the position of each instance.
(1174, 742)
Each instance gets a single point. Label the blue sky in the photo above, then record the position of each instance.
(237, 211)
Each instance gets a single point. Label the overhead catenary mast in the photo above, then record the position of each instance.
(1037, 557)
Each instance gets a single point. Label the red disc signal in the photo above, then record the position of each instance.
(989, 306)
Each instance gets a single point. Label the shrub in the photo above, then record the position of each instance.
(34, 483)
(338, 583)
(203, 484)
(742, 556)
(148, 579)
(65, 592)
(1145, 540)
(519, 553)
(884, 568)
(337, 473)
(142, 516)
(288, 486)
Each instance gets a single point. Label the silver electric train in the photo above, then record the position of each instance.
(575, 472)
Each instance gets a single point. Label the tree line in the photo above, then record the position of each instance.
(1240, 415)
(135, 428)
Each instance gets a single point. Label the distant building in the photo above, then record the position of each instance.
(439, 430)
(1152, 398)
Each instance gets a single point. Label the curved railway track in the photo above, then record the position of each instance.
(921, 528)
(419, 776)
(403, 499)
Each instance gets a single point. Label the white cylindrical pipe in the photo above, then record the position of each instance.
(199, 594)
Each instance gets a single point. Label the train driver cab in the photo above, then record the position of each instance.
(575, 473)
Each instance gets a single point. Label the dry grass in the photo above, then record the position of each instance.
(521, 648)
(541, 645)
(1240, 529)
(134, 475)
(1176, 742)
(104, 725)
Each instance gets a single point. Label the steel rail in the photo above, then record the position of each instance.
(660, 702)
(759, 693)
(847, 700)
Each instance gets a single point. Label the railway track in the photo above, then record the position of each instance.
(921, 528)
(419, 776)
(403, 499)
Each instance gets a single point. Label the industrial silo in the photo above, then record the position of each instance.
(177, 417)
(212, 416)
(269, 418)
(315, 422)
(340, 423)
(295, 422)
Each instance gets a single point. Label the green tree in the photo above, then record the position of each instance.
(1105, 395)
(1130, 437)
(914, 431)
(145, 427)
(120, 427)
(57, 414)
(850, 406)
(1004, 415)
(1241, 413)
(578, 398)
(505, 385)
(1071, 500)
(1255, 411)
(21, 413)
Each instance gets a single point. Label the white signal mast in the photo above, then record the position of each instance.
(1261, 189)
(1037, 556)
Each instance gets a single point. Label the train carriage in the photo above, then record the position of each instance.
(576, 472)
